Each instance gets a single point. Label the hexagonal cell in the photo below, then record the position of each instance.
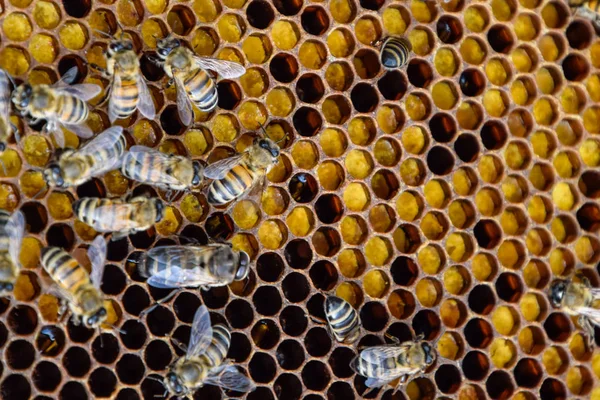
(340, 43)
(257, 48)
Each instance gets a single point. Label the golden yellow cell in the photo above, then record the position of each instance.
(536, 244)
(170, 223)
(412, 171)
(9, 198)
(463, 182)
(468, 116)
(475, 19)
(376, 284)
(569, 100)
(445, 62)
(245, 214)
(533, 273)
(356, 196)
(537, 209)
(458, 247)
(17, 27)
(591, 119)
(519, 92)
(551, 15)
(494, 103)
(285, 34)
(273, 201)
(420, 41)
(553, 360)
(393, 21)
(433, 226)
(549, 48)
(489, 168)
(330, 175)
(545, 81)
(595, 394)
(386, 152)
(420, 11)
(36, 150)
(377, 251)
(589, 151)
(510, 254)
(335, 110)
(403, 240)
(195, 141)
(504, 320)
(49, 306)
(231, 28)
(585, 249)
(348, 292)
(361, 130)
(340, 43)
(280, 171)
(408, 206)
(389, 119)
(358, 164)
(447, 346)
(516, 155)
(482, 266)
(524, 27)
(10, 162)
(472, 51)
(271, 235)
(305, 154)
(234, 3)
(416, 106)
(156, 6)
(14, 60)
(338, 76)
(428, 292)
(353, 231)
(59, 205)
(577, 380)
(414, 139)
(333, 142)
(511, 225)
(451, 313)
(256, 48)
(502, 352)
(31, 249)
(454, 280)
(596, 364)
(151, 31)
(252, 115)
(367, 30)
(593, 87)
(382, 218)
(542, 144)
(254, 82)
(530, 307)
(563, 196)
(300, 221)
(145, 133)
(43, 48)
(84, 231)
(32, 183)
(73, 35)
(543, 111)
(280, 102)
(436, 193)
(350, 262)
(312, 55)
(203, 43)
(496, 72)
(444, 95)
(595, 54)
(503, 9)
(521, 60)
(565, 164)
(191, 208)
(460, 213)
(343, 11)
(46, 14)
(488, 202)
(512, 190)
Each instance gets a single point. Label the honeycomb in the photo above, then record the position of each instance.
(439, 199)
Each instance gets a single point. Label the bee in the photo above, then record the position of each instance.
(118, 216)
(588, 9)
(100, 155)
(342, 320)
(6, 127)
(79, 290)
(59, 104)
(12, 228)
(128, 89)
(236, 176)
(394, 52)
(204, 362)
(382, 364)
(189, 72)
(577, 299)
(166, 171)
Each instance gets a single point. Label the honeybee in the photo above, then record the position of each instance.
(59, 104)
(235, 176)
(166, 171)
(79, 290)
(192, 81)
(100, 155)
(6, 127)
(118, 216)
(128, 89)
(382, 364)
(342, 320)
(204, 362)
(394, 52)
(577, 299)
(12, 228)
(589, 9)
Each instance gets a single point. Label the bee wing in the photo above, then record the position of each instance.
(15, 228)
(184, 103)
(376, 383)
(81, 130)
(113, 115)
(219, 169)
(592, 313)
(379, 354)
(227, 69)
(145, 102)
(161, 162)
(103, 142)
(83, 91)
(4, 94)
(67, 78)
(97, 256)
(202, 333)
(229, 377)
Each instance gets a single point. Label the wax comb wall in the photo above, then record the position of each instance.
(440, 199)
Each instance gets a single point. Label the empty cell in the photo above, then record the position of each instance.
(240, 347)
(16, 387)
(262, 368)
(20, 355)
(315, 375)
(317, 342)
(288, 386)
(105, 348)
(157, 355)
(102, 382)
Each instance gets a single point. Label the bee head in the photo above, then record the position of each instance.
(174, 384)
(166, 46)
(2, 146)
(95, 319)
(53, 176)
(558, 288)
(197, 179)
(429, 353)
(268, 145)
(243, 266)
(6, 287)
(120, 45)
(22, 96)
(160, 209)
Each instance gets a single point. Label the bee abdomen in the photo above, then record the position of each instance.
(63, 268)
(125, 98)
(394, 52)
(236, 182)
(219, 346)
(139, 167)
(343, 319)
(4, 239)
(86, 210)
(72, 110)
(202, 90)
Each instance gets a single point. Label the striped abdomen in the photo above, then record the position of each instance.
(72, 110)
(111, 218)
(125, 97)
(217, 349)
(4, 239)
(343, 319)
(202, 90)
(394, 52)
(373, 370)
(239, 179)
(109, 154)
(64, 269)
(145, 167)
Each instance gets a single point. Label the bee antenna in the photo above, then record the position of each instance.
(10, 78)
(101, 338)
(3, 167)
(108, 35)
(116, 328)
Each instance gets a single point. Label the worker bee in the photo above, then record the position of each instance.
(204, 362)
(394, 52)
(588, 9)
(79, 290)
(342, 320)
(577, 299)
(6, 127)
(382, 364)
(100, 155)
(12, 228)
(166, 171)
(128, 89)
(118, 216)
(236, 176)
(189, 72)
(59, 104)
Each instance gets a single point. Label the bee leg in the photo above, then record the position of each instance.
(98, 68)
(3, 167)
(180, 345)
(161, 301)
(401, 383)
(15, 132)
(588, 327)
(394, 339)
